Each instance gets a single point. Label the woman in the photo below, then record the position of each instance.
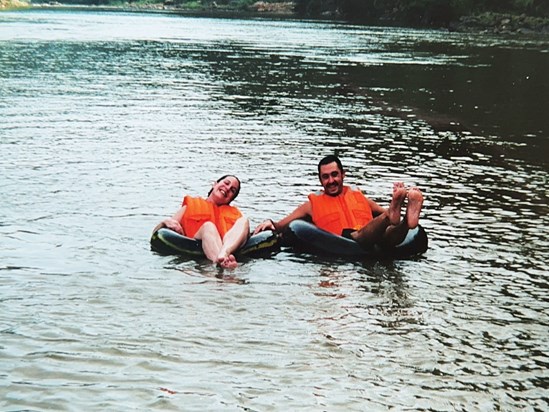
(221, 228)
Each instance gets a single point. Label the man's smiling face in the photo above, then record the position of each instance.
(331, 178)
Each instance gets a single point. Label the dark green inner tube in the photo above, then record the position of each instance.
(303, 236)
(168, 242)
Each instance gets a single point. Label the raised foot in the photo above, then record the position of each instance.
(415, 202)
(399, 194)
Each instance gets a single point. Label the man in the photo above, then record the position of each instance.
(341, 210)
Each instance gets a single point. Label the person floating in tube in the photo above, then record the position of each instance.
(221, 228)
(347, 212)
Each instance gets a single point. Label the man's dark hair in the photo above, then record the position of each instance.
(237, 190)
(330, 159)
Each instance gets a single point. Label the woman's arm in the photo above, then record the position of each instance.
(173, 222)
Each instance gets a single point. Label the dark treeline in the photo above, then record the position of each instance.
(418, 12)
(439, 13)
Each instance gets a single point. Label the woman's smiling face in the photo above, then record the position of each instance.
(224, 191)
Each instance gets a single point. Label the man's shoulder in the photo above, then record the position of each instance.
(357, 192)
(316, 193)
(346, 189)
(354, 190)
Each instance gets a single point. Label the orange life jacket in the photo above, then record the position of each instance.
(199, 212)
(348, 210)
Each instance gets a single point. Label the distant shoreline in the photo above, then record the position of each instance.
(159, 7)
(488, 23)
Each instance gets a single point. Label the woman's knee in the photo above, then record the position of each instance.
(207, 229)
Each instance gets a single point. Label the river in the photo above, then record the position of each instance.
(108, 119)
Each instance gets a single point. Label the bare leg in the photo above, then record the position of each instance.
(369, 235)
(399, 194)
(415, 202)
(211, 241)
(232, 240)
(386, 229)
(394, 235)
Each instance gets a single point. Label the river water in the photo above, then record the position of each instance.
(108, 119)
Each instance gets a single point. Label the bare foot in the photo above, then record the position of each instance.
(399, 194)
(228, 262)
(415, 202)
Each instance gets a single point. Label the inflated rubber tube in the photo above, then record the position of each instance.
(168, 242)
(305, 237)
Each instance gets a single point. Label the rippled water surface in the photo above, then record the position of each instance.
(108, 119)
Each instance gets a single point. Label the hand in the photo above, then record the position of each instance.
(265, 225)
(174, 225)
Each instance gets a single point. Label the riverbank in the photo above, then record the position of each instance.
(489, 22)
(13, 4)
(500, 23)
(258, 9)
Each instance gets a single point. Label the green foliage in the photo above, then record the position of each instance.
(361, 9)
(316, 8)
(423, 12)
(413, 12)
(241, 4)
(192, 4)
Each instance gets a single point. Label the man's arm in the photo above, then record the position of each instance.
(300, 212)
(376, 209)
